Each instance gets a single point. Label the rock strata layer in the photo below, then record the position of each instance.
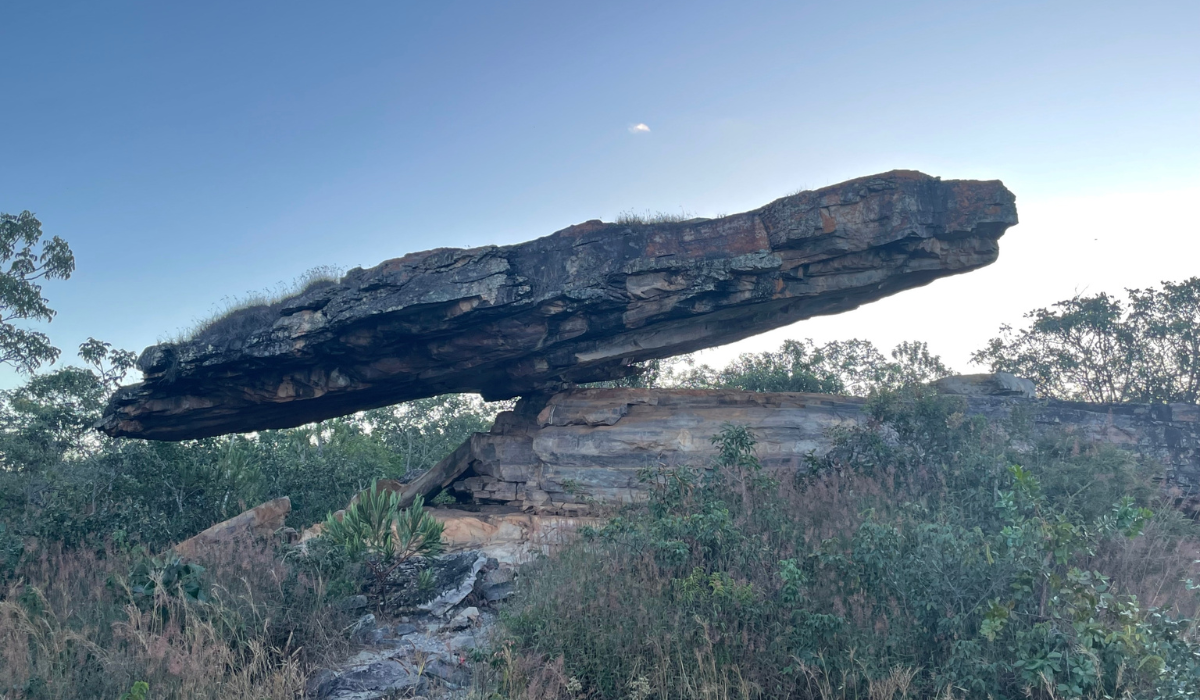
(579, 305)
(565, 454)
(257, 523)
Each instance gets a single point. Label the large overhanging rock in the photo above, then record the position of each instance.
(576, 306)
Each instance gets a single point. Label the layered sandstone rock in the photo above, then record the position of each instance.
(258, 523)
(577, 306)
(507, 534)
(580, 448)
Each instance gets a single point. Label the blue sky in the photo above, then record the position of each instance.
(191, 152)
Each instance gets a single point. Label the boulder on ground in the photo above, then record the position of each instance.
(258, 523)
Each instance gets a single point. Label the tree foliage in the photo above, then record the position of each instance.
(854, 367)
(1103, 349)
(62, 481)
(21, 292)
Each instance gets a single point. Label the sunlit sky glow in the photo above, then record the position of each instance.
(195, 151)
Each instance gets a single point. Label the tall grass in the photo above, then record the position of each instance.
(265, 300)
(73, 627)
(631, 217)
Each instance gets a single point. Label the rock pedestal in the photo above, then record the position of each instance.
(576, 449)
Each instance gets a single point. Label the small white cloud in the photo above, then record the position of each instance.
(639, 129)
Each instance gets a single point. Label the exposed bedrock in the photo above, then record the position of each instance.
(576, 306)
(561, 454)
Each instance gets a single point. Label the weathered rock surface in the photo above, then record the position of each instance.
(470, 564)
(259, 522)
(421, 651)
(508, 534)
(504, 533)
(994, 384)
(577, 306)
(425, 655)
(565, 454)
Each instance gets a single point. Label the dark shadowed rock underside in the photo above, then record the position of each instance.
(579, 305)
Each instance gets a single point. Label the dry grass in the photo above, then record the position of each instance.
(1153, 567)
(630, 217)
(70, 627)
(240, 314)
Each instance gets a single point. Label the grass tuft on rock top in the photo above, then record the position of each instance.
(633, 218)
(924, 557)
(237, 317)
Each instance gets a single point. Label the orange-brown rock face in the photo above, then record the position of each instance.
(577, 306)
(260, 522)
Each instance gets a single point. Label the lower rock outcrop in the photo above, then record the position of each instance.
(422, 648)
(567, 453)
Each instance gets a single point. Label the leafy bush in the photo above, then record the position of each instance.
(915, 560)
(853, 367)
(138, 691)
(167, 574)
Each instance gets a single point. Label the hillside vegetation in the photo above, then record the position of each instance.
(924, 557)
(929, 555)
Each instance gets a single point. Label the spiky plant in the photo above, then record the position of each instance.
(374, 529)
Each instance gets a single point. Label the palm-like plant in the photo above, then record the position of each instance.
(376, 530)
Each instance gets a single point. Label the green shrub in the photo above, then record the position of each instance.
(853, 367)
(167, 574)
(375, 530)
(914, 560)
(138, 691)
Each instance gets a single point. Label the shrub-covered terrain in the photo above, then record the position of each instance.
(78, 623)
(924, 557)
(929, 555)
(61, 481)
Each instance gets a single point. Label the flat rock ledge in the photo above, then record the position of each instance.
(577, 306)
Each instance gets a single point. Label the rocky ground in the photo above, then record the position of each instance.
(416, 648)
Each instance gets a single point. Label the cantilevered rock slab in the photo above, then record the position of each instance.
(579, 305)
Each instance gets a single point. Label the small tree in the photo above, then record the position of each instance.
(112, 364)
(374, 529)
(1102, 349)
(854, 367)
(52, 414)
(20, 294)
